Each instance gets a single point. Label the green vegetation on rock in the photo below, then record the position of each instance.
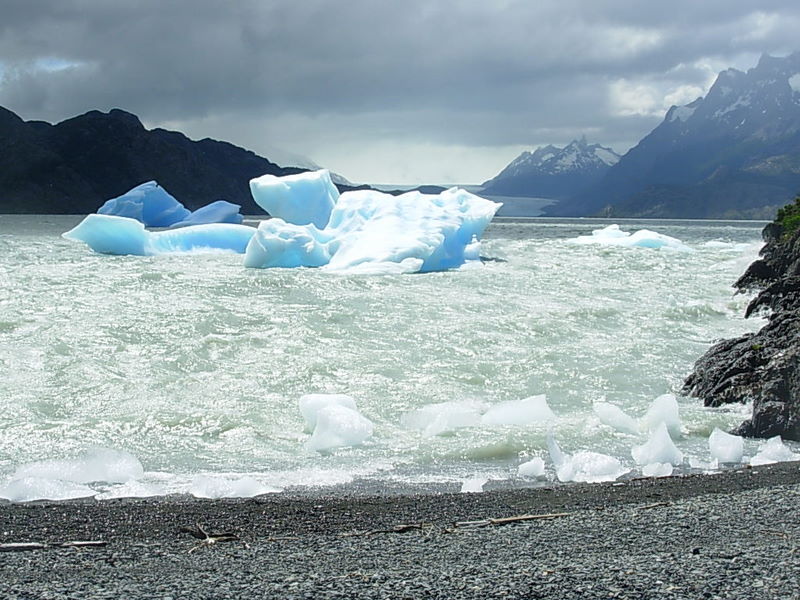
(789, 218)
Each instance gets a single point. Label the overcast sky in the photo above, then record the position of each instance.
(394, 91)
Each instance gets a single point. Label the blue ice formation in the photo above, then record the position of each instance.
(364, 231)
(216, 212)
(298, 199)
(148, 203)
(152, 205)
(109, 234)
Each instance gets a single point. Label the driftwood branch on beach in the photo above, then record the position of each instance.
(27, 546)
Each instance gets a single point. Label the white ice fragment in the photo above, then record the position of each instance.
(301, 199)
(584, 466)
(27, 489)
(615, 417)
(228, 486)
(664, 409)
(473, 485)
(528, 411)
(724, 447)
(772, 451)
(658, 449)
(436, 419)
(644, 238)
(97, 465)
(339, 427)
(657, 469)
(702, 465)
(219, 211)
(311, 404)
(532, 468)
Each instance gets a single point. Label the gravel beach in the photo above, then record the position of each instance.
(729, 535)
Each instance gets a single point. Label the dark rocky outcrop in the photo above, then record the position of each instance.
(765, 366)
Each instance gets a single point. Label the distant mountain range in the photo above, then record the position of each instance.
(733, 154)
(76, 165)
(553, 172)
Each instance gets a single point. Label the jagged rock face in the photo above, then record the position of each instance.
(553, 172)
(734, 153)
(763, 367)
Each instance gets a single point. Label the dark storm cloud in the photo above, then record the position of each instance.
(500, 73)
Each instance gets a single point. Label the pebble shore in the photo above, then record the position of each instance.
(731, 535)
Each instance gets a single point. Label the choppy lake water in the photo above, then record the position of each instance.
(194, 365)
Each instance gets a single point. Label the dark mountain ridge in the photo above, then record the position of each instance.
(76, 165)
(733, 154)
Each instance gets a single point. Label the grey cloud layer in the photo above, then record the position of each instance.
(469, 72)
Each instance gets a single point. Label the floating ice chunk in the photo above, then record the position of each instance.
(473, 485)
(27, 489)
(311, 404)
(228, 486)
(724, 447)
(657, 469)
(280, 244)
(658, 449)
(615, 417)
(528, 411)
(371, 232)
(148, 203)
(298, 199)
(664, 409)
(216, 212)
(339, 427)
(436, 419)
(532, 468)
(584, 466)
(97, 465)
(111, 234)
(772, 451)
(702, 465)
(644, 238)
(121, 235)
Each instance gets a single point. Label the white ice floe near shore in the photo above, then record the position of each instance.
(657, 469)
(644, 238)
(473, 485)
(584, 466)
(443, 417)
(532, 468)
(658, 449)
(664, 409)
(339, 426)
(221, 485)
(772, 451)
(108, 234)
(724, 447)
(528, 411)
(615, 417)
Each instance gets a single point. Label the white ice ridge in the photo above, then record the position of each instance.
(664, 409)
(364, 231)
(444, 417)
(658, 449)
(527, 411)
(584, 466)
(772, 451)
(334, 421)
(67, 478)
(615, 417)
(532, 468)
(110, 234)
(644, 238)
(724, 447)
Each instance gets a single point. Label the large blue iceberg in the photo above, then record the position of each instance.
(154, 206)
(364, 231)
(109, 234)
